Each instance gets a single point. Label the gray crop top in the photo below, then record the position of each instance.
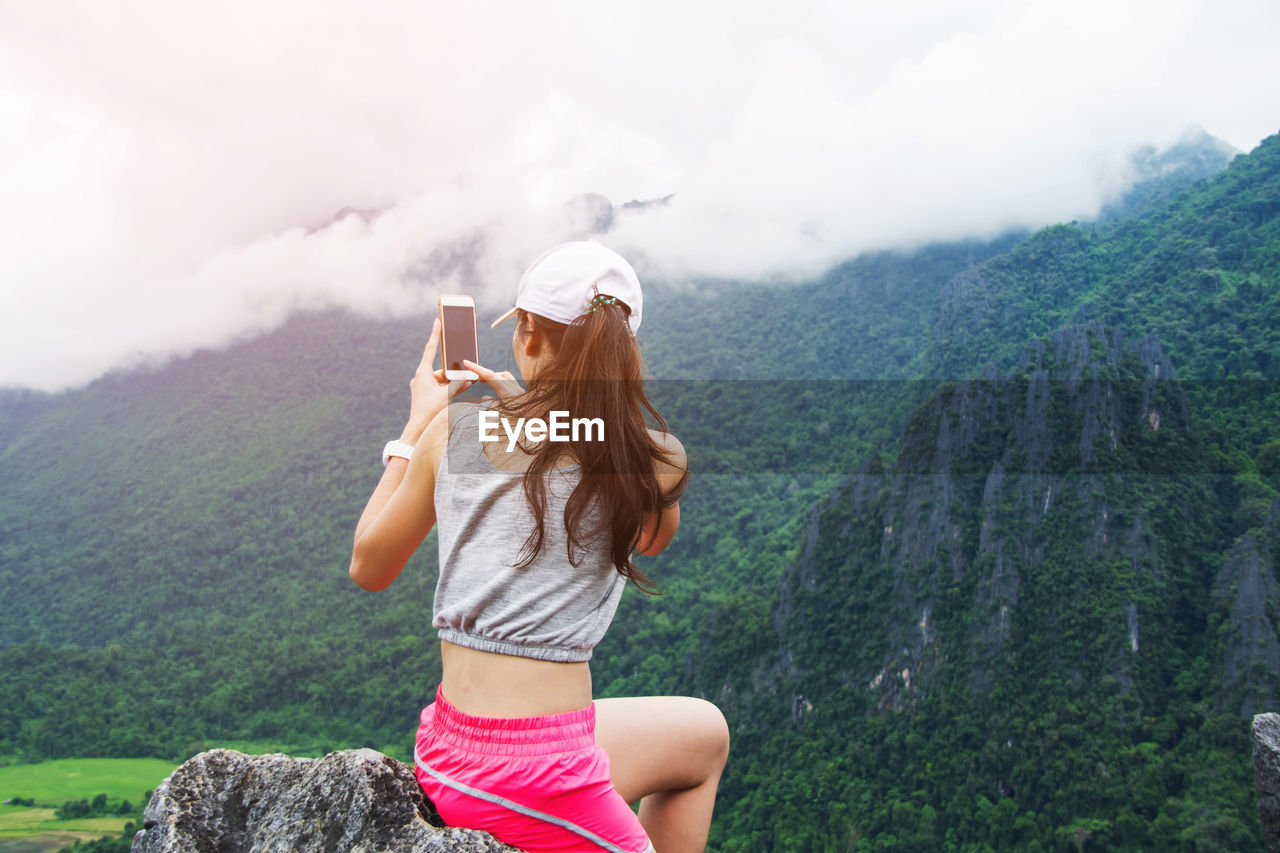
(550, 609)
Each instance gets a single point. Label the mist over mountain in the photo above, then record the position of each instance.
(1155, 176)
(980, 546)
(392, 258)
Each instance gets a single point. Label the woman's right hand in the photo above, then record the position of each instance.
(502, 382)
(429, 390)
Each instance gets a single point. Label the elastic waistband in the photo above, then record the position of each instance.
(567, 732)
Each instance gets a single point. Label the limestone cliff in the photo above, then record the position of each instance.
(1248, 601)
(1059, 481)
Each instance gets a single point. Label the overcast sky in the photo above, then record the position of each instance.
(165, 168)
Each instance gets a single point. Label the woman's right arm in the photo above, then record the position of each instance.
(402, 511)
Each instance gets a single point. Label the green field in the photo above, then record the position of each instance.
(45, 831)
(51, 783)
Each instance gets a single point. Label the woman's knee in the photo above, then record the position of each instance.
(662, 743)
(713, 731)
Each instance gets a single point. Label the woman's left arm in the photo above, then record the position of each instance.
(660, 527)
(401, 511)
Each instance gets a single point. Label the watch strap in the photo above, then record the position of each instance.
(396, 448)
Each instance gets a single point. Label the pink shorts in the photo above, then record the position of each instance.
(536, 783)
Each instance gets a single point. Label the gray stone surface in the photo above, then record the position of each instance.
(223, 801)
(1266, 777)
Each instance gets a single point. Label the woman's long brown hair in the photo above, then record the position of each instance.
(594, 370)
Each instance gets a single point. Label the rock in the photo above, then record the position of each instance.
(223, 801)
(1266, 777)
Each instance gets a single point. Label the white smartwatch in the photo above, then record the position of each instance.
(396, 448)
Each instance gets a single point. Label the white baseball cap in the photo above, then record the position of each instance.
(559, 285)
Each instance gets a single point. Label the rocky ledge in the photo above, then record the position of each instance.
(223, 801)
(1266, 777)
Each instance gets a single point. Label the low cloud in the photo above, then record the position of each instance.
(171, 176)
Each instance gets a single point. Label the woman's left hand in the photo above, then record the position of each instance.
(502, 382)
(429, 391)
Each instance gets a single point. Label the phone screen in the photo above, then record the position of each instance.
(459, 322)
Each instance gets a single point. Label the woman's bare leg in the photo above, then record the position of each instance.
(667, 752)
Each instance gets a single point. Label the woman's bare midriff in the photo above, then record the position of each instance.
(485, 684)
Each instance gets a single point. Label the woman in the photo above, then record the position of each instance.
(536, 540)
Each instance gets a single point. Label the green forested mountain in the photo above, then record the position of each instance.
(980, 550)
(1035, 628)
(1194, 273)
(1161, 175)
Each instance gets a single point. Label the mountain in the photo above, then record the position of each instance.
(1017, 632)
(1198, 272)
(1160, 175)
(980, 547)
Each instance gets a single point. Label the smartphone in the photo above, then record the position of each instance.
(458, 335)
